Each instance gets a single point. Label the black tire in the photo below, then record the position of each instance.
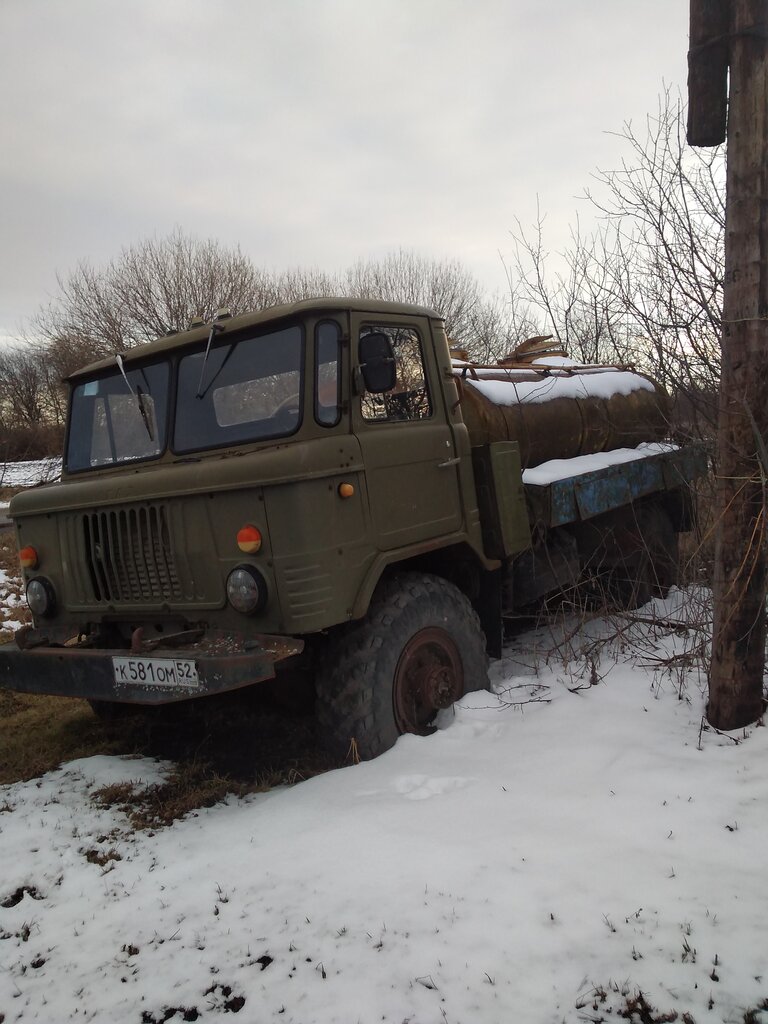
(419, 648)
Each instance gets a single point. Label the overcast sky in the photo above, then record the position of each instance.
(311, 132)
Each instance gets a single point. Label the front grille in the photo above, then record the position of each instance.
(130, 555)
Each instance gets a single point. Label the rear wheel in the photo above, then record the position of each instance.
(650, 567)
(419, 649)
(662, 550)
(630, 555)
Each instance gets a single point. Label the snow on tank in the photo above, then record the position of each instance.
(557, 408)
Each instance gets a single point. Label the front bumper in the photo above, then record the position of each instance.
(222, 662)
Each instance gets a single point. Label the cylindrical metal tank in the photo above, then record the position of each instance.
(562, 413)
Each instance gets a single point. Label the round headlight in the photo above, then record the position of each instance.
(246, 589)
(41, 596)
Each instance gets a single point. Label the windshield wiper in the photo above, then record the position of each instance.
(121, 368)
(138, 394)
(141, 398)
(215, 328)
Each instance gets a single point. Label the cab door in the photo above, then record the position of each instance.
(409, 453)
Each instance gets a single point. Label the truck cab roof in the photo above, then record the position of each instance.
(229, 324)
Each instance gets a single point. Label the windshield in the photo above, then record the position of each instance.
(118, 418)
(245, 390)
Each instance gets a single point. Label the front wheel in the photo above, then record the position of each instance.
(419, 649)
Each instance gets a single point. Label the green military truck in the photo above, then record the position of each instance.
(321, 484)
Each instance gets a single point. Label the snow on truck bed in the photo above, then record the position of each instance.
(562, 469)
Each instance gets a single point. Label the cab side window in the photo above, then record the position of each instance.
(409, 399)
(327, 374)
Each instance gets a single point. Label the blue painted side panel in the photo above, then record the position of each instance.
(590, 494)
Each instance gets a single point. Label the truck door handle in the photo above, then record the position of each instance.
(449, 462)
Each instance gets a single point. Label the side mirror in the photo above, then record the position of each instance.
(377, 363)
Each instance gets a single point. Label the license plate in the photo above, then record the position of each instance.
(156, 672)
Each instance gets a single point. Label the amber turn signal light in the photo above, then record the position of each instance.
(28, 558)
(346, 490)
(249, 539)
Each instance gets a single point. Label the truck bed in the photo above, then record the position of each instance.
(581, 493)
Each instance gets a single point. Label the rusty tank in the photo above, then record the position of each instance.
(556, 408)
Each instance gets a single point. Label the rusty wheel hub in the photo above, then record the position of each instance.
(429, 676)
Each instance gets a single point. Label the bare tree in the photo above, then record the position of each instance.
(471, 319)
(158, 285)
(305, 283)
(495, 328)
(23, 384)
(575, 302)
(153, 287)
(647, 285)
(665, 237)
(31, 416)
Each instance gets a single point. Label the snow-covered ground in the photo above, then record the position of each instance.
(10, 595)
(535, 862)
(556, 847)
(27, 474)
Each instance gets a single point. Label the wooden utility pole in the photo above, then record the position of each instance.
(708, 72)
(738, 648)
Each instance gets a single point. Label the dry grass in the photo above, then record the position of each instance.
(38, 733)
(234, 744)
(190, 786)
